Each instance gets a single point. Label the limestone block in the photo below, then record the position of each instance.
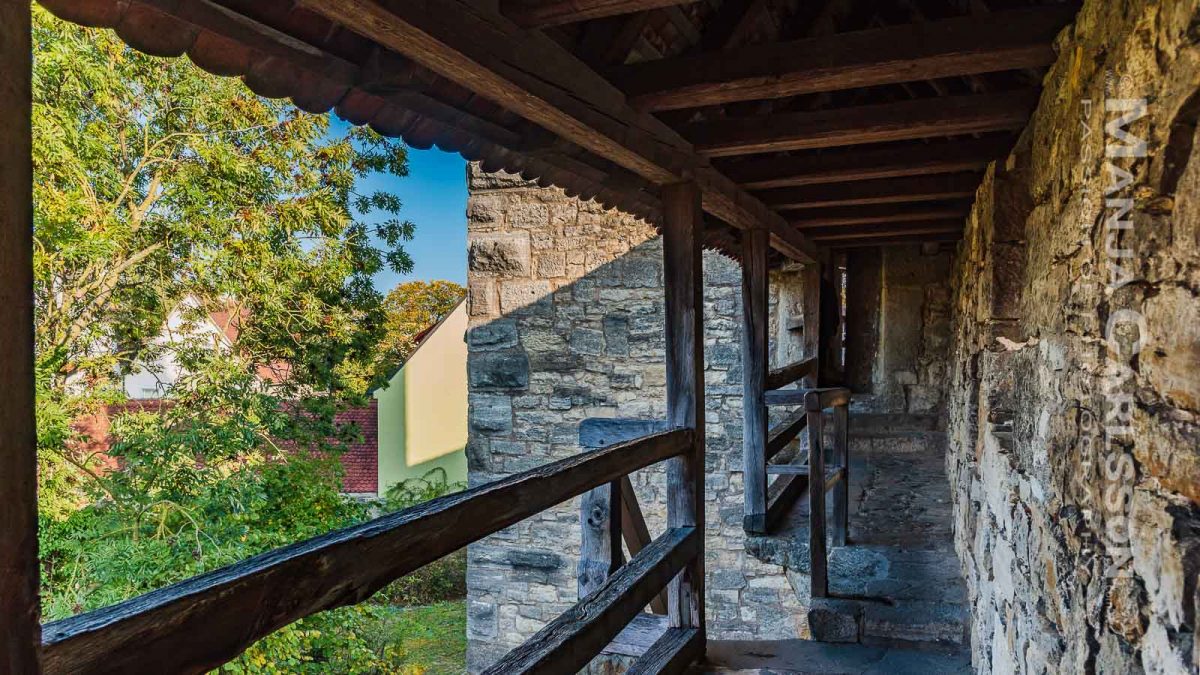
(507, 253)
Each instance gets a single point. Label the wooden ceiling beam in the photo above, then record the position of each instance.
(947, 226)
(878, 123)
(837, 216)
(883, 191)
(892, 240)
(532, 76)
(544, 13)
(852, 164)
(964, 46)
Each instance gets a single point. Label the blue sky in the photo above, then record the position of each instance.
(434, 195)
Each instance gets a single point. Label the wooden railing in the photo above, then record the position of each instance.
(823, 477)
(200, 623)
(767, 503)
(819, 473)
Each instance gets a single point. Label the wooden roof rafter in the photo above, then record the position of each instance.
(531, 75)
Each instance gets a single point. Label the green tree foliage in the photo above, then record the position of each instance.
(412, 307)
(163, 191)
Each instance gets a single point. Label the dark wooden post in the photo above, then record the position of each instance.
(20, 633)
(811, 279)
(600, 524)
(754, 378)
(683, 270)
(841, 492)
(816, 498)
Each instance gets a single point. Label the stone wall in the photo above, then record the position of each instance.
(1075, 449)
(566, 308)
(897, 354)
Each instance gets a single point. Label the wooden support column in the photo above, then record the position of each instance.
(818, 562)
(811, 302)
(600, 524)
(754, 378)
(20, 634)
(829, 333)
(840, 518)
(683, 271)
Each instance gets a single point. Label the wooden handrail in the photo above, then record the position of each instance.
(785, 375)
(811, 399)
(198, 624)
(674, 652)
(783, 433)
(570, 641)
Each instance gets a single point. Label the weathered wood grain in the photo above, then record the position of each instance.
(600, 532)
(819, 562)
(917, 158)
(570, 641)
(672, 653)
(877, 123)
(636, 534)
(961, 46)
(19, 569)
(840, 518)
(531, 75)
(783, 433)
(683, 276)
(198, 624)
(785, 375)
(838, 235)
(543, 13)
(754, 372)
(832, 219)
(868, 192)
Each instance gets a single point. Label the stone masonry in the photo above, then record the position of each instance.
(566, 305)
(1075, 443)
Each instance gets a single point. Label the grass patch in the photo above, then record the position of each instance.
(427, 639)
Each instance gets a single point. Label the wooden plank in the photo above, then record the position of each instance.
(875, 214)
(823, 398)
(785, 375)
(784, 492)
(840, 518)
(852, 164)
(754, 376)
(788, 469)
(636, 534)
(892, 240)
(816, 506)
(783, 433)
(881, 191)
(683, 270)
(529, 74)
(954, 47)
(638, 636)
(671, 654)
(832, 235)
(543, 13)
(200, 623)
(19, 569)
(877, 123)
(568, 643)
(600, 531)
(598, 432)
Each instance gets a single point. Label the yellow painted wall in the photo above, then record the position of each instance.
(423, 411)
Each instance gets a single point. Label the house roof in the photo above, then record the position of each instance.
(800, 118)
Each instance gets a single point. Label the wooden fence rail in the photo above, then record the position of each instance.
(200, 623)
(821, 481)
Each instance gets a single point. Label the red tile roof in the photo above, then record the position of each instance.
(361, 460)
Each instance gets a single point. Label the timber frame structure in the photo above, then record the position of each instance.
(776, 134)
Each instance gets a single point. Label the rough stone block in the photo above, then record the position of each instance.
(499, 252)
(498, 334)
(491, 413)
(504, 369)
(525, 296)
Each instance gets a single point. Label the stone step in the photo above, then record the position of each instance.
(914, 624)
(802, 657)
